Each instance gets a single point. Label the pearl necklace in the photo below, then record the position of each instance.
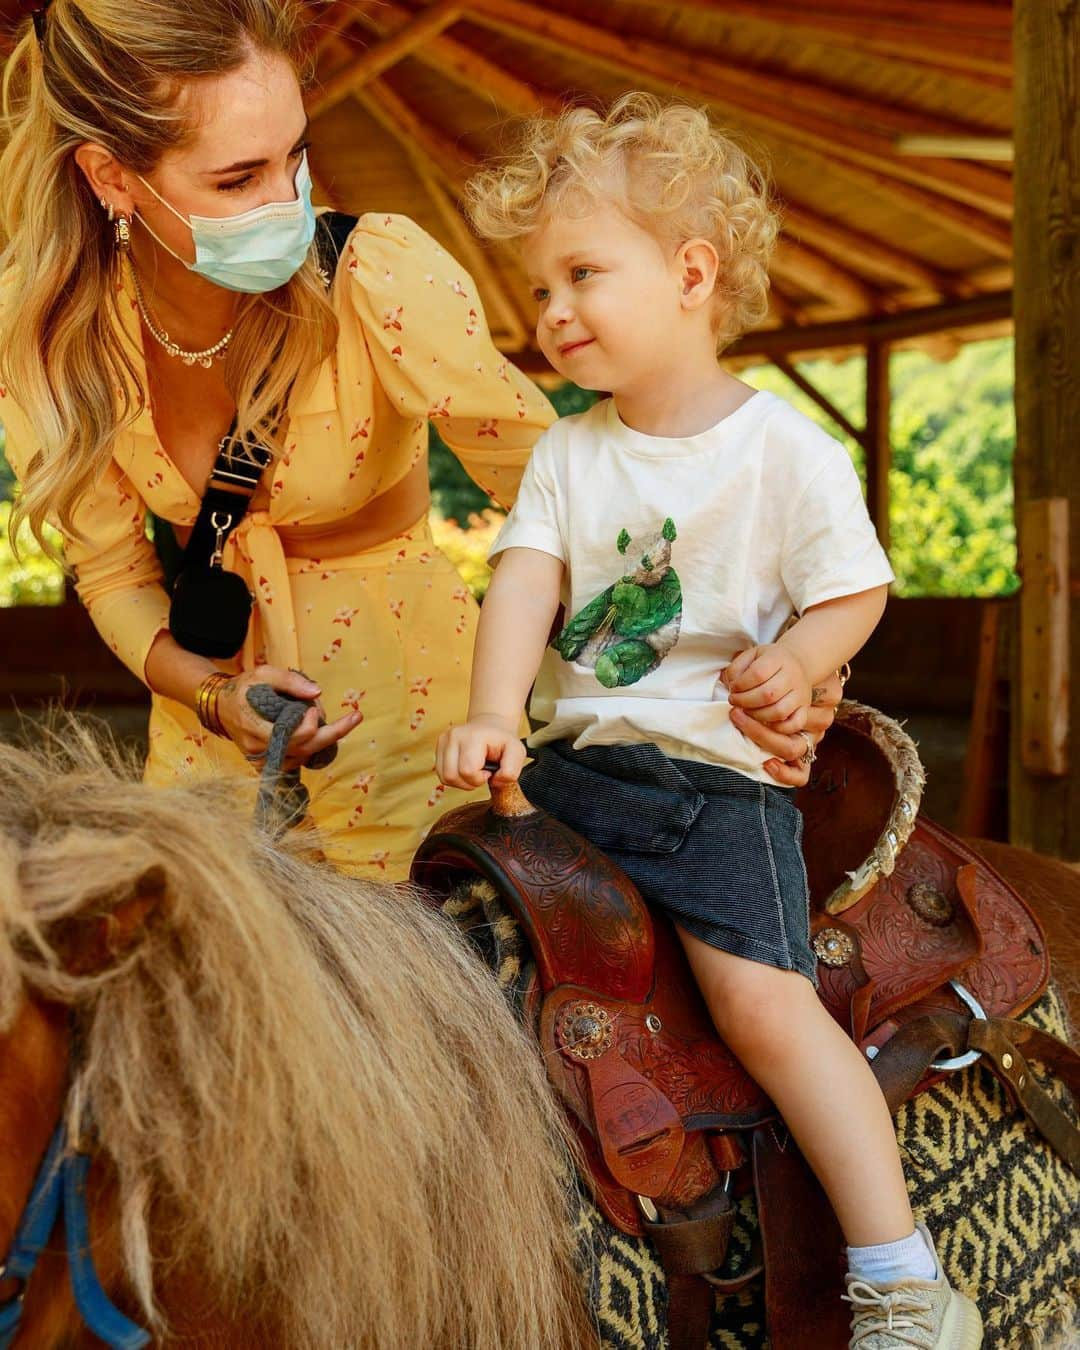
(205, 358)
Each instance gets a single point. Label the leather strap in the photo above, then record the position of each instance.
(803, 1245)
(906, 1059)
(1008, 1045)
(691, 1245)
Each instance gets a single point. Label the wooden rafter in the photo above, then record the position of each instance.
(464, 66)
(370, 64)
(450, 162)
(978, 310)
(329, 22)
(825, 403)
(798, 110)
(862, 251)
(977, 48)
(818, 275)
(971, 15)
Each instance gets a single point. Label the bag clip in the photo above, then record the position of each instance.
(221, 523)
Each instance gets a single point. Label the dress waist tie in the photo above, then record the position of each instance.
(257, 552)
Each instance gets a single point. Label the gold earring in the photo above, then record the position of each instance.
(122, 234)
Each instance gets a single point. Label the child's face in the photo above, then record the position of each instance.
(608, 296)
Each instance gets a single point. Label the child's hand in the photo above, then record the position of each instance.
(769, 684)
(462, 752)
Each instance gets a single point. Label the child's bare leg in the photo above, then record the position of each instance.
(776, 1025)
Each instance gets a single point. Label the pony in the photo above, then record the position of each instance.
(312, 1118)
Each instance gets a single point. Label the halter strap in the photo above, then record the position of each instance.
(60, 1185)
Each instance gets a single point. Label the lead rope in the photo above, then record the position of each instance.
(283, 799)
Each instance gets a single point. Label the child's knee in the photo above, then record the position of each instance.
(751, 1003)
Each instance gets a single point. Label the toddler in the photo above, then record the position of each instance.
(683, 523)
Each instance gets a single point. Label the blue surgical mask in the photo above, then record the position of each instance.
(256, 251)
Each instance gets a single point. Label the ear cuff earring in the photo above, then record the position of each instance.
(121, 227)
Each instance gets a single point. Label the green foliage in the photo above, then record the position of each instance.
(33, 579)
(953, 436)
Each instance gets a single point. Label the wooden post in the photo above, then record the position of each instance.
(878, 441)
(1044, 811)
(1044, 637)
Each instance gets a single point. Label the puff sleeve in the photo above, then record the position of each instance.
(117, 575)
(429, 343)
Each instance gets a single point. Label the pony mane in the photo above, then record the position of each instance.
(309, 1089)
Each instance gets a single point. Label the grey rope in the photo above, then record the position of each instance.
(283, 799)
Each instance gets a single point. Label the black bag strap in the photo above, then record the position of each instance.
(331, 238)
(229, 490)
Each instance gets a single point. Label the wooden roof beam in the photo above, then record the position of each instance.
(370, 64)
(862, 251)
(449, 162)
(818, 275)
(980, 51)
(827, 406)
(332, 21)
(909, 323)
(971, 15)
(781, 105)
(466, 67)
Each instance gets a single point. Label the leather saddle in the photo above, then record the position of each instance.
(925, 958)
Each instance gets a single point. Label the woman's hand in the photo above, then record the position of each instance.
(769, 683)
(787, 765)
(250, 733)
(463, 751)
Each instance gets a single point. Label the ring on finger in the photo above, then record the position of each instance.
(810, 754)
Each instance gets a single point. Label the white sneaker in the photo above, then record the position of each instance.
(927, 1314)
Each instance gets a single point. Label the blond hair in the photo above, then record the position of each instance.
(313, 1098)
(114, 72)
(666, 166)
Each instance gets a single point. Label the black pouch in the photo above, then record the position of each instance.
(210, 611)
(211, 608)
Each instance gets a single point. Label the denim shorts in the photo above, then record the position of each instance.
(719, 853)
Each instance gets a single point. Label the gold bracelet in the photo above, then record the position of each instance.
(206, 701)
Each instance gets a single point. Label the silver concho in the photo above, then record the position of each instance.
(833, 947)
(930, 904)
(585, 1030)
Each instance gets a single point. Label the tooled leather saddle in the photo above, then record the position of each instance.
(925, 957)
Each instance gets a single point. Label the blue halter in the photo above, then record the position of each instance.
(60, 1185)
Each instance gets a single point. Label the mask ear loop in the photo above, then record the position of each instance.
(152, 232)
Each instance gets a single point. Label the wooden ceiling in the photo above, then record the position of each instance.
(410, 96)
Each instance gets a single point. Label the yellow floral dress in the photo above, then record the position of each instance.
(389, 631)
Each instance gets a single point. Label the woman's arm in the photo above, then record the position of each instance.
(515, 621)
(788, 762)
(425, 329)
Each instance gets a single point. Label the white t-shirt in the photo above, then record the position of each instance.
(679, 552)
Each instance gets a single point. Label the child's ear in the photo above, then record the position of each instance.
(699, 265)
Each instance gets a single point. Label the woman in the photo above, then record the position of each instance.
(159, 278)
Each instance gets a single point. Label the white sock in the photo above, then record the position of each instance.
(906, 1259)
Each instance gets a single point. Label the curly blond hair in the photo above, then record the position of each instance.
(666, 166)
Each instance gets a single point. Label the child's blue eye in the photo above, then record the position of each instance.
(540, 295)
(576, 274)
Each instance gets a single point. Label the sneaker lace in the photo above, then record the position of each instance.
(905, 1314)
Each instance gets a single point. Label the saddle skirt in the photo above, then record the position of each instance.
(900, 909)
